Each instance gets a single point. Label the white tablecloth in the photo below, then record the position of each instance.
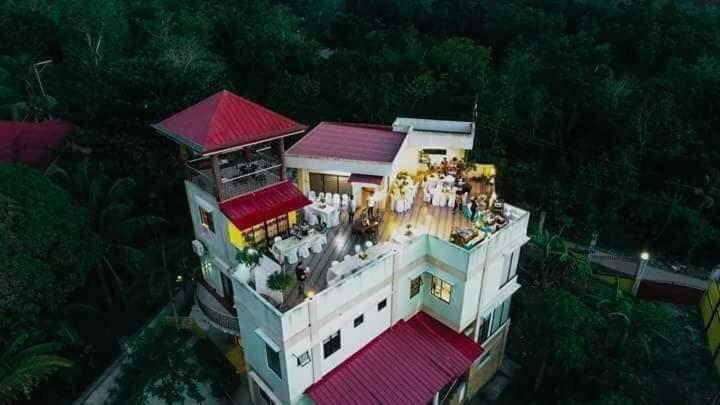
(281, 248)
(326, 214)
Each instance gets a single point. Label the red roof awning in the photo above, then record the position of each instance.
(365, 178)
(225, 120)
(407, 364)
(260, 206)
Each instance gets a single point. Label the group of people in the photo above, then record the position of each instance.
(456, 164)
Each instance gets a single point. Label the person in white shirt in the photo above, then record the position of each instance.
(371, 206)
(351, 207)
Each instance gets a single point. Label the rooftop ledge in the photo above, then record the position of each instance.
(282, 324)
(465, 128)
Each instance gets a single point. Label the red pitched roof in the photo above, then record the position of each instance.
(374, 143)
(31, 142)
(407, 364)
(365, 178)
(262, 205)
(225, 120)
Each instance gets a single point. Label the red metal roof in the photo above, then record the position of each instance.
(225, 120)
(31, 142)
(374, 143)
(262, 205)
(407, 364)
(365, 178)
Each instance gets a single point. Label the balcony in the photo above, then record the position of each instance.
(215, 312)
(239, 172)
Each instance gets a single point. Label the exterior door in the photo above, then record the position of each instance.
(227, 287)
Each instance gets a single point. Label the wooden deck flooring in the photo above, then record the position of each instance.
(438, 221)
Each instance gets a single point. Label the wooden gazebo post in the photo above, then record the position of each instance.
(218, 179)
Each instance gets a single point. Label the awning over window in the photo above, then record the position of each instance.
(407, 364)
(260, 206)
(365, 178)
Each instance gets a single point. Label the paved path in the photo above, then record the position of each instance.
(652, 273)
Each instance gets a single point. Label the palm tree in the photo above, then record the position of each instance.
(19, 100)
(112, 217)
(555, 262)
(22, 369)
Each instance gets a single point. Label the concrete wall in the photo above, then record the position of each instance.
(486, 366)
(474, 274)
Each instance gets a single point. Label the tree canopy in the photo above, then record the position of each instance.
(46, 253)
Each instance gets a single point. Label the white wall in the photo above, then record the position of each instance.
(352, 166)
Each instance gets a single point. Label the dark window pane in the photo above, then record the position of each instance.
(331, 344)
(358, 321)
(382, 304)
(316, 182)
(273, 360)
(344, 186)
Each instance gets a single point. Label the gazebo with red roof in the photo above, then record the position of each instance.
(234, 150)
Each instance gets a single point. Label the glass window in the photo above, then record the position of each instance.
(282, 224)
(331, 184)
(513, 266)
(415, 285)
(505, 275)
(273, 360)
(272, 230)
(441, 289)
(206, 219)
(382, 304)
(331, 344)
(316, 182)
(344, 186)
(359, 321)
(303, 359)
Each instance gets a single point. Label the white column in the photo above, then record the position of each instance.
(436, 399)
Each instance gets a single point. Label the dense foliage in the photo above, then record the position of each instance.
(46, 253)
(171, 366)
(601, 113)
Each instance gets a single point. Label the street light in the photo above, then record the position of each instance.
(645, 256)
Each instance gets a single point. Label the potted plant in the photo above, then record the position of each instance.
(280, 281)
(247, 259)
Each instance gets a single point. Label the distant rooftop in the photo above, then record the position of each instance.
(343, 141)
(226, 120)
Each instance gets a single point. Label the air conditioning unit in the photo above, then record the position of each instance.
(198, 247)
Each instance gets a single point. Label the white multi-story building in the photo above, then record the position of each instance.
(407, 304)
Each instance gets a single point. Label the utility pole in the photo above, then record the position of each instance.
(642, 265)
(593, 243)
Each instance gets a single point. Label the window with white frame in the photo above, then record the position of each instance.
(441, 289)
(273, 360)
(507, 271)
(415, 285)
(303, 359)
(494, 320)
(331, 344)
(206, 219)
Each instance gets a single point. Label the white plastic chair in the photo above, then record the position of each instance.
(277, 239)
(427, 197)
(311, 219)
(344, 200)
(334, 218)
(451, 202)
(358, 249)
(292, 256)
(321, 196)
(334, 263)
(336, 200)
(304, 250)
(312, 196)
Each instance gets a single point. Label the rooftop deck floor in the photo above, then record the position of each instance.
(438, 221)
